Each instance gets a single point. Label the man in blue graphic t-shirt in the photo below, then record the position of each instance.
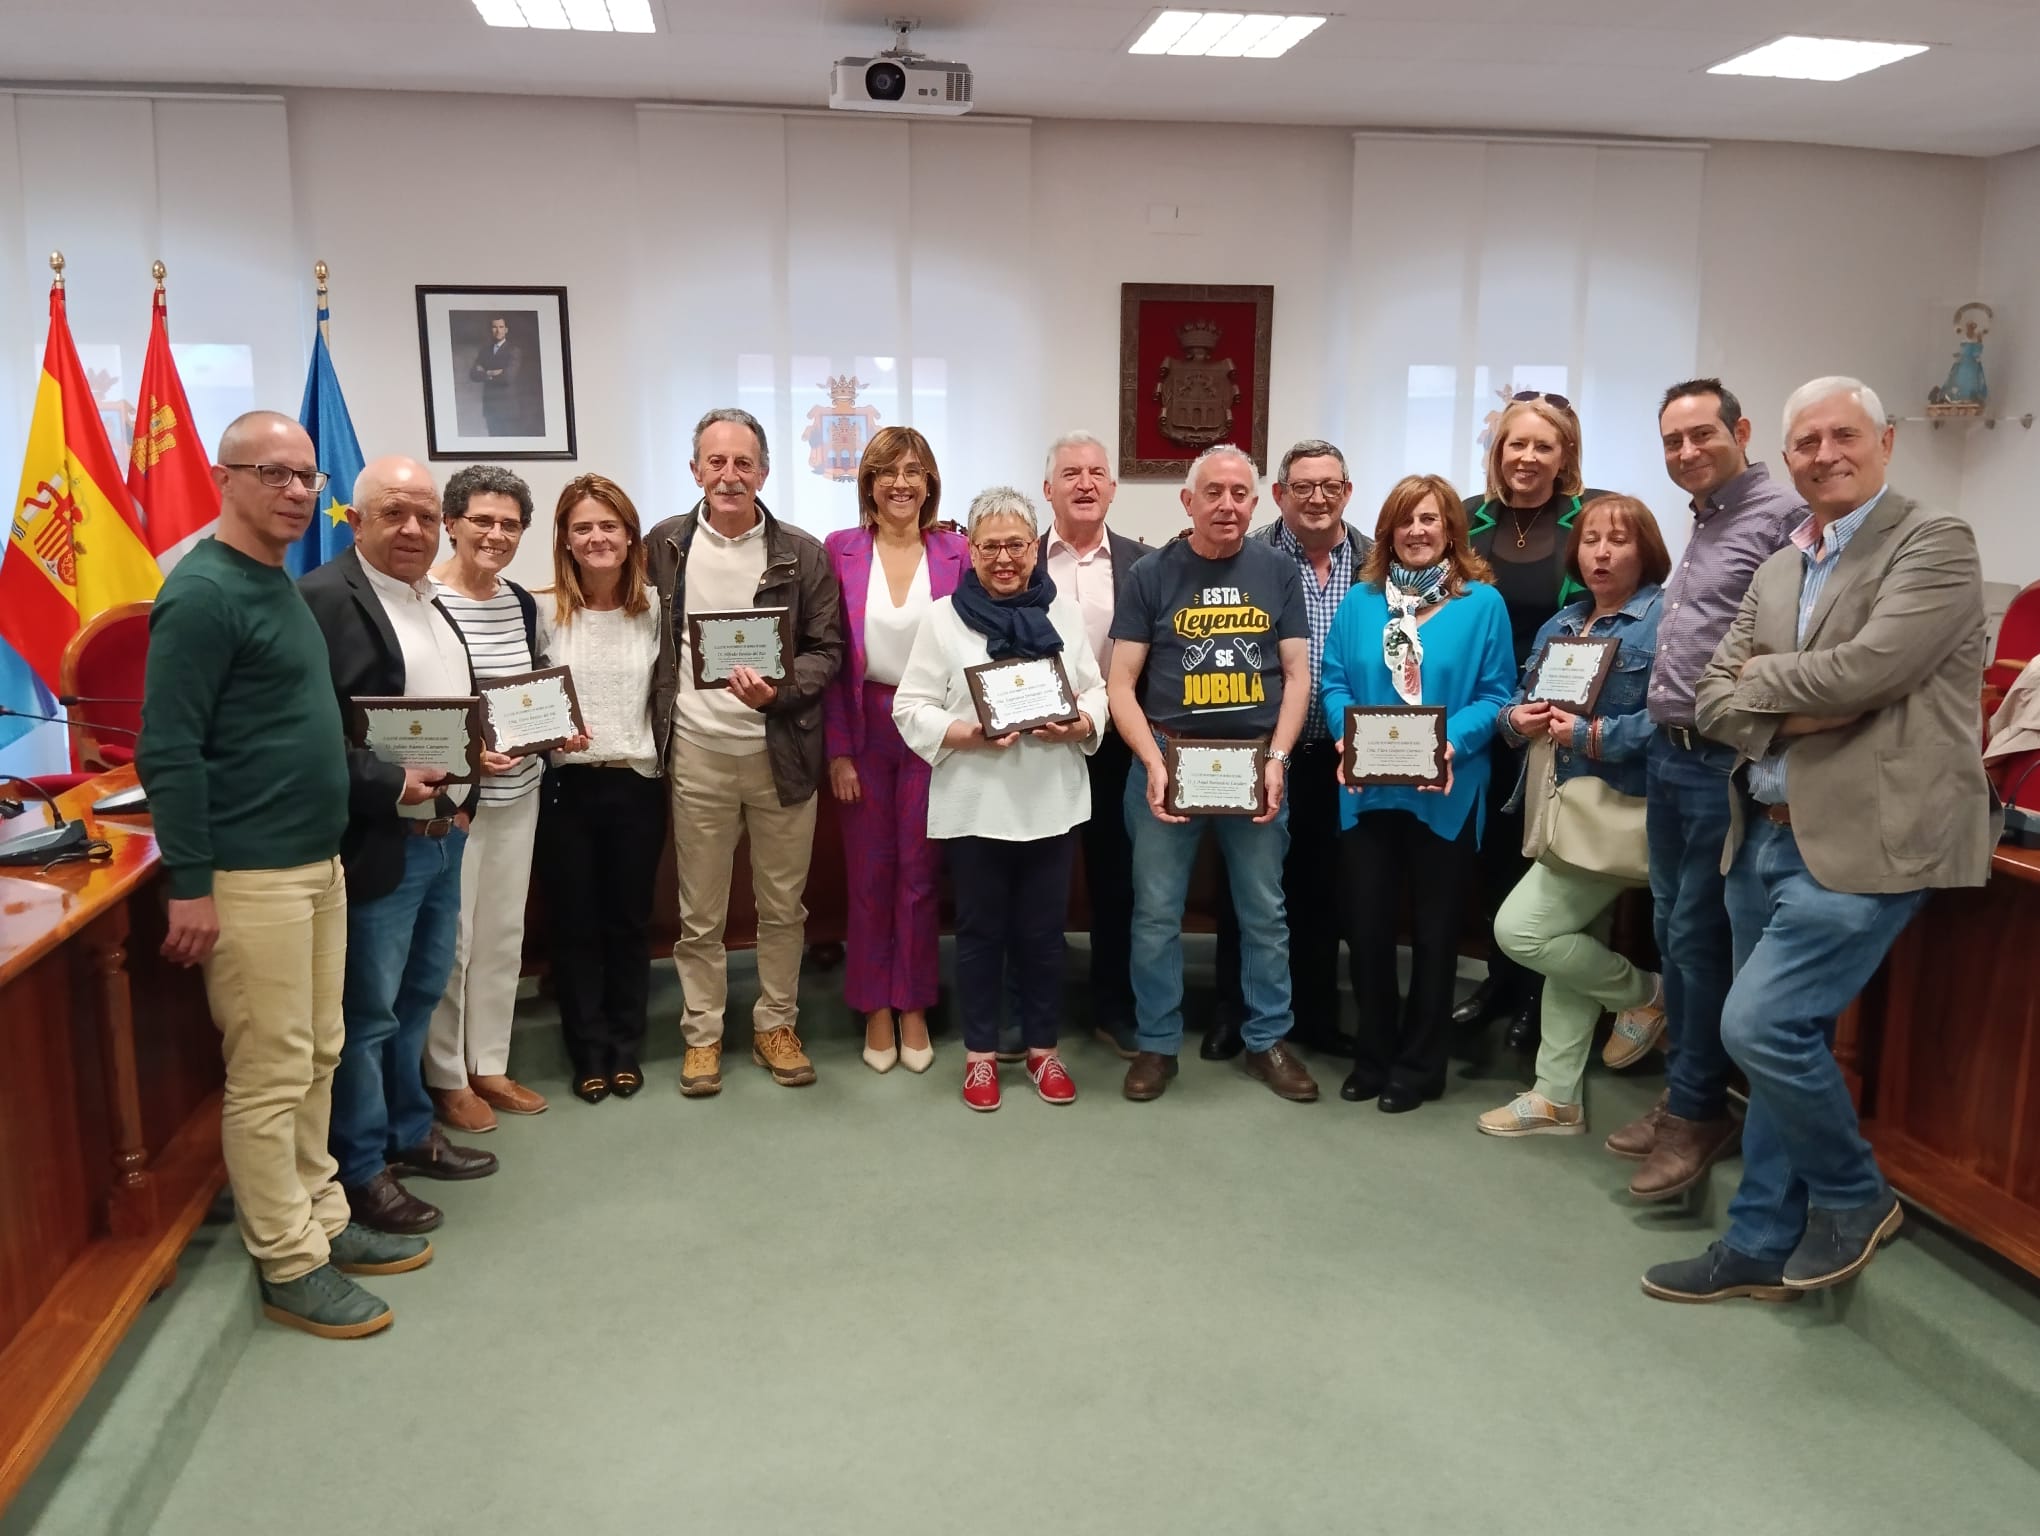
(1211, 642)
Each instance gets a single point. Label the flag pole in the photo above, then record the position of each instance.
(319, 272)
(158, 271)
(57, 266)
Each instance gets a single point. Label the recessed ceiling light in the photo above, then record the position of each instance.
(1816, 58)
(1224, 34)
(561, 15)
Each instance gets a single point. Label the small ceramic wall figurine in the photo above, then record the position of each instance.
(1965, 392)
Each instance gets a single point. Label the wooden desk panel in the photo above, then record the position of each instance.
(109, 1121)
(1949, 1038)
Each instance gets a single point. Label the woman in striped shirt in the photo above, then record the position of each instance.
(467, 1049)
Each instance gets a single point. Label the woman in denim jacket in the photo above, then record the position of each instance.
(1555, 921)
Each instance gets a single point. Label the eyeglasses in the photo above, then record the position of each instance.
(1010, 548)
(1537, 394)
(912, 475)
(488, 525)
(277, 476)
(1311, 490)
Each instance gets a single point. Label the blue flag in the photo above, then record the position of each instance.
(324, 415)
(20, 689)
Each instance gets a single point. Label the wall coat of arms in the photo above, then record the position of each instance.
(837, 432)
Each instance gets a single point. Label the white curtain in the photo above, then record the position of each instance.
(782, 253)
(116, 182)
(1482, 268)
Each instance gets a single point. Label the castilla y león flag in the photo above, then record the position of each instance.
(75, 547)
(169, 476)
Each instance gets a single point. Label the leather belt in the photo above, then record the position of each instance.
(1777, 815)
(1685, 737)
(438, 826)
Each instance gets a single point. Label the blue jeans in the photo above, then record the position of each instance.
(1809, 951)
(399, 952)
(1686, 813)
(1163, 854)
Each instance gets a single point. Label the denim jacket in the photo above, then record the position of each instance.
(1625, 721)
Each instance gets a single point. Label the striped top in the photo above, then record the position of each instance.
(494, 630)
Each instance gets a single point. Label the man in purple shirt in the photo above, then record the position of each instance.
(1741, 517)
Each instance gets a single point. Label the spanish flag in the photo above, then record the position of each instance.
(76, 546)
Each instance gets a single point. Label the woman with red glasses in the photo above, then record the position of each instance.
(1521, 526)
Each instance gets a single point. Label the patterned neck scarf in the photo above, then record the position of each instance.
(1409, 593)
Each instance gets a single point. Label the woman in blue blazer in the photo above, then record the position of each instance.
(1422, 625)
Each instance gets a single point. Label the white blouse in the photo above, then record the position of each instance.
(888, 631)
(1034, 788)
(612, 656)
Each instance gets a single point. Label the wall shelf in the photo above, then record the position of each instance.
(1989, 422)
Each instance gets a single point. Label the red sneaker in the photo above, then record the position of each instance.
(1051, 1081)
(981, 1085)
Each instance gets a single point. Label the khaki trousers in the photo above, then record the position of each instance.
(470, 1031)
(716, 798)
(274, 981)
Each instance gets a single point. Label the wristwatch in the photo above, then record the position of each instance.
(1277, 755)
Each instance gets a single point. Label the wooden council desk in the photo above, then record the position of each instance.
(1945, 1043)
(109, 1119)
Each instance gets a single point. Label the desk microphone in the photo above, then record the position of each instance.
(59, 843)
(68, 699)
(132, 801)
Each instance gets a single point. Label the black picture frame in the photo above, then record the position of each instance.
(529, 415)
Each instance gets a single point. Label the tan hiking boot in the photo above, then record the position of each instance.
(1532, 1114)
(701, 1071)
(1685, 1150)
(1635, 1139)
(1638, 1031)
(779, 1052)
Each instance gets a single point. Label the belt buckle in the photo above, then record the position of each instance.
(438, 826)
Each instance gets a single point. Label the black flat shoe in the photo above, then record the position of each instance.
(1524, 1035)
(1481, 1004)
(591, 1090)
(627, 1082)
(1397, 1100)
(1359, 1087)
(1222, 1042)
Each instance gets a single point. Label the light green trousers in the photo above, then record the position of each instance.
(1556, 923)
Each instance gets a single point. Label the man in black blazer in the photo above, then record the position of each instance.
(1087, 561)
(386, 634)
(499, 368)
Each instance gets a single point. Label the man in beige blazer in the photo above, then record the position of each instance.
(1850, 687)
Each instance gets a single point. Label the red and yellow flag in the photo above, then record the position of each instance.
(75, 548)
(169, 476)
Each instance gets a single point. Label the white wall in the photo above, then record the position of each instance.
(397, 189)
(2001, 467)
(1817, 261)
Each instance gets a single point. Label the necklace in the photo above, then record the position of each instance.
(1522, 533)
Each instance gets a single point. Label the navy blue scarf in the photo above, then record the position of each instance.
(1012, 626)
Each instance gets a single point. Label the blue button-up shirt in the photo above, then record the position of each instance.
(1322, 602)
(1767, 777)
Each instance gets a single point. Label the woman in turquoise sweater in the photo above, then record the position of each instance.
(1422, 625)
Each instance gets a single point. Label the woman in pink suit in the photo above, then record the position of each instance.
(892, 568)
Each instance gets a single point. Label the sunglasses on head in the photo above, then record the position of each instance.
(1537, 394)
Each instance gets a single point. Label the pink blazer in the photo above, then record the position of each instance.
(948, 556)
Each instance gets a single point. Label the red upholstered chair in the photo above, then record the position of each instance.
(2018, 640)
(106, 660)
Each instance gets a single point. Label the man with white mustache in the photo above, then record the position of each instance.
(743, 758)
(1088, 562)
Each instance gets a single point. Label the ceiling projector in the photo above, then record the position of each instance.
(900, 80)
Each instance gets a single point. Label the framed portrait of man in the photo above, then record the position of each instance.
(499, 378)
(1193, 371)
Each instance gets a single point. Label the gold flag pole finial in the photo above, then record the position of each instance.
(319, 272)
(57, 266)
(158, 271)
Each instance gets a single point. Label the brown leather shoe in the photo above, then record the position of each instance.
(1282, 1072)
(385, 1205)
(437, 1158)
(1149, 1076)
(778, 1051)
(459, 1109)
(1685, 1150)
(1636, 1139)
(506, 1094)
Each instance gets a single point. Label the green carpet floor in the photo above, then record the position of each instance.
(858, 1307)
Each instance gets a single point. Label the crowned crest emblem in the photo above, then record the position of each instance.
(1197, 391)
(524, 700)
(1395, 733)
(737, 636)
(837, 432)
(56, 542)
(417, 728)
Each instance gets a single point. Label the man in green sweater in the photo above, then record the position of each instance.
(243, 757)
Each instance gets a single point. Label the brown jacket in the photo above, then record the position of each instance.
(797, 577)
(1896, 801)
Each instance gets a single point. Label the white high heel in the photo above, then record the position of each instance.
(917, 1061)
(883, 1061)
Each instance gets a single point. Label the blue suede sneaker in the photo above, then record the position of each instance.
(1716, 1275)
(1837, 1244)
(326, 1303)
(360, 1250)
